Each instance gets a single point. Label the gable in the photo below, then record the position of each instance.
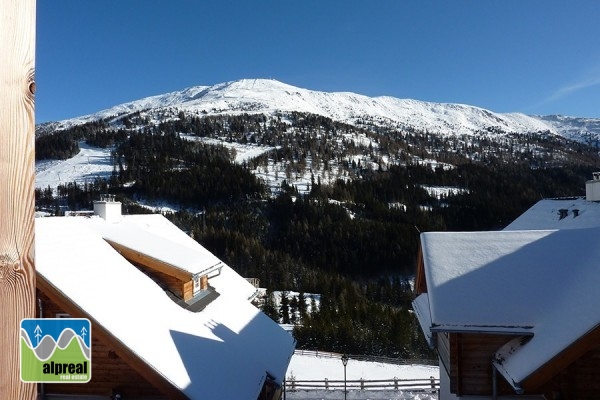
(134, 377)
(560, 362)
(538, 283)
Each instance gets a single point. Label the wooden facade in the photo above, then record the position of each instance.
(579, 379)
(119, 370)
(573, 374)
(467, 359)
(178, 281)
(110, 373)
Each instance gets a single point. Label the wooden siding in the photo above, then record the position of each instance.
(110, 373)
(151, 262)
(470, 369)
(579, 381)
(471, 363)
(188, 290)
(420, 281)
(182, 289)
(572, 355)
(443, 349)
(122, 352)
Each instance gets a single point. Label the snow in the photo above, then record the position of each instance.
(545, 215)
(156, 236)
(197, 352)
(326, 365)
(243, 152)
(92, 163)
(171, 252)
(439, 191)
(89, 164)
(271, 97)
(310, 366)
(540, 283)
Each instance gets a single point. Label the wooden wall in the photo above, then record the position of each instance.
(110, 373)
(182, 289)
(470, 369)
(471, 363)
(580, 381)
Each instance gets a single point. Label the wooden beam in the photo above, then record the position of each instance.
(17, 179)
(151, 262)
(420, 279)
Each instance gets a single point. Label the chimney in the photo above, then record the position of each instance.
(108, 208)
(562, 213)
(592, 188)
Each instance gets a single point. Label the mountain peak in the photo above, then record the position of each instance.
(272, 97)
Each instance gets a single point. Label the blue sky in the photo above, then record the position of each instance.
(531, 56)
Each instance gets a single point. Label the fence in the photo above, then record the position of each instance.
(428, 385)
(414, 385)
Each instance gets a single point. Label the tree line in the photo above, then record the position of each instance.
(346, 241)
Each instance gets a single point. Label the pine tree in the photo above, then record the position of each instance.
(268, 306)
(284, 309)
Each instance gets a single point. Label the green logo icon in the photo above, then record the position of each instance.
(56, 350)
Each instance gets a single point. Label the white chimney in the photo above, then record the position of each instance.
(108, 208)
(592, 188)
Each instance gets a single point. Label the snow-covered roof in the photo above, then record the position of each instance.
(546, 214)
(540, 283)
(197, 352)
(421, 308)
(159, 238)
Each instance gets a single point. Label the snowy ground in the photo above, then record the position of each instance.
(312, 367)
(91, 163)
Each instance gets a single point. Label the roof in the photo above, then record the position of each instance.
(197, 353)
(156, 236)
(545, 214)
(540, 283)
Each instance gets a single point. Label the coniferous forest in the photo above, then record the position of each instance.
(341, 239)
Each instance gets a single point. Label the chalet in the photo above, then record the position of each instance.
(169, 319)
(514, 313)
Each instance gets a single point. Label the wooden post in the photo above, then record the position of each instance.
(17, 180)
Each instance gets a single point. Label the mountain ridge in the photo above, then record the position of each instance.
(272, 97)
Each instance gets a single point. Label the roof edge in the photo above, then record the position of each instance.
(525, 330)
(421, 308)
(561, 360)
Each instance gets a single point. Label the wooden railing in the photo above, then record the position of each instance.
(427, 385)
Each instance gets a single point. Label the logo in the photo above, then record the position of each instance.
(56, 350)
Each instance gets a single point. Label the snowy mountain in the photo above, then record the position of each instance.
(271, 97)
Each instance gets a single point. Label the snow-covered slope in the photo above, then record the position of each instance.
(270, 97)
